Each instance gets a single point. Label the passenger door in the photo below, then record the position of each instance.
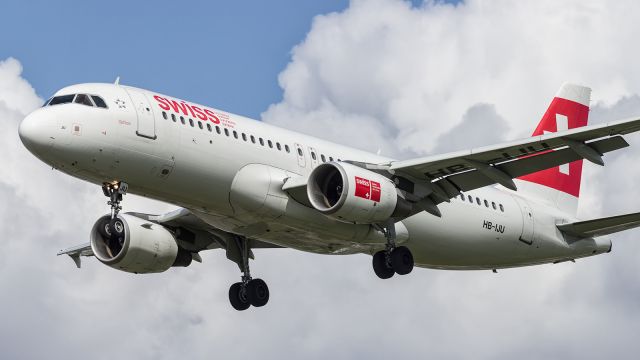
(528, 232)
(146, 121)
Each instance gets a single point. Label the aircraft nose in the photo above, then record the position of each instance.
(33, 133)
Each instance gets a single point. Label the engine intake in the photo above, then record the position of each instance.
(143, 247)
(353, 194)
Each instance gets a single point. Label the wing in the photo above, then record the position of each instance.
(445, 176)
(602, 226)
(76, 252)
(191, 232)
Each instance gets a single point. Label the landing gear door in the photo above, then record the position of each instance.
(527, 221)
(146, 121)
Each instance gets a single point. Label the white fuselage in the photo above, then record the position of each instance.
(229, 171)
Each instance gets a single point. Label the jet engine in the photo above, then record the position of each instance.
(135, 245)
(352, 194)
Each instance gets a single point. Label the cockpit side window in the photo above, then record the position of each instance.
(46, 102)
(63, 99)
(99, 102)
(83, 99)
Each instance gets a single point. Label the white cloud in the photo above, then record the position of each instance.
(385, 75)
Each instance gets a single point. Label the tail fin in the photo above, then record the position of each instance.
(569, 109)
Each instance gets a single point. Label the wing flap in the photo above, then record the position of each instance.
(602, 226)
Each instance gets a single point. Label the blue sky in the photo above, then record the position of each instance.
(225, 54)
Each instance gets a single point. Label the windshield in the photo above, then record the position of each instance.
(84, 99)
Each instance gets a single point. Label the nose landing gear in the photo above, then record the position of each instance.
(394, 259)
(114, 191)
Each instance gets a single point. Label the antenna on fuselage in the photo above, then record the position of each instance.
(117, 82)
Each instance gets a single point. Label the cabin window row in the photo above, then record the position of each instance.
(484, 202)
(315, 157)
(227, 132)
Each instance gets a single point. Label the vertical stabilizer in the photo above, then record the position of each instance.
(560, 185)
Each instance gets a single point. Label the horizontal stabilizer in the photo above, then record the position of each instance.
(602, 226)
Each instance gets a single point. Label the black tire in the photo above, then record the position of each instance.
(258, 292)
(238, 300)
(402, 260)
(105, 228)
(380, 266)
(116, 227)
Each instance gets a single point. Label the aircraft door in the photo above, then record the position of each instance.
(301, 158)
(146, 121)
(314, 157)
(527, 221)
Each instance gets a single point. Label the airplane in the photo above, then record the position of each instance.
(242, 184)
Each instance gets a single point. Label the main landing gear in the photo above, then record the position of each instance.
(248, 292)
(394, 259)
(114, 228)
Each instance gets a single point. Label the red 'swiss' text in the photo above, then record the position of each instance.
(187, 109)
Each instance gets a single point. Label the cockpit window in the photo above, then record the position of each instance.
(83, 99)
(46, 102)
(63, 99)
(99, 102)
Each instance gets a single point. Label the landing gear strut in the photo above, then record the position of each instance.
(394, 259)
(114, 191)
(248, 292)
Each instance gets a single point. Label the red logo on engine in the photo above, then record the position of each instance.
(368, 189)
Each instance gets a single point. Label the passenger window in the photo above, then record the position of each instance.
(209, 127)
(64, 99)
(299, 151)
(270, 143)
(278, 146)
(235, 134)
(200, 125)
(244, 136)
(164, 115)
(501, 208)
(218, 129)
(83, 99)
(470, 198)
(226, 131)
(99, 102)
(261, 141)
(253, 139)
(462, 197)
(313, 155)
(182, 120)
(478, 201)
(286, 147)
(323, 158)
(191, 122)
(493, 205)
(330, 158)
(486, 203)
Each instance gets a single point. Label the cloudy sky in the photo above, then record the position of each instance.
(408, 78)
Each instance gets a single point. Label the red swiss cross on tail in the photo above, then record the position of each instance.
(568, 110)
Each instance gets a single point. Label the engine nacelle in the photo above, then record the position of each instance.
(145, 247)
(350, 193)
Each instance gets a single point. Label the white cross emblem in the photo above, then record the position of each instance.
(562, 124)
